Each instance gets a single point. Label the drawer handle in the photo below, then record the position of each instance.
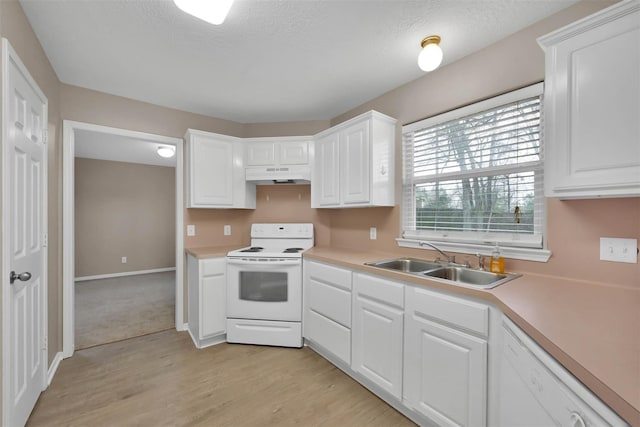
(577, 421)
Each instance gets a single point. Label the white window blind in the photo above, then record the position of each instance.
(476, 174)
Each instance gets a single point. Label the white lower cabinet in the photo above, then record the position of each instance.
(327, 310)
(207, 281)
(377, 331)
(445, 364)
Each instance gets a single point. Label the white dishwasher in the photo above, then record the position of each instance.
(535, 390)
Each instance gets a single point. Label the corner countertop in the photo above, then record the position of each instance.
(592, 329)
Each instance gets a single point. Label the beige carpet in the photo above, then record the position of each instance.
(109, 310)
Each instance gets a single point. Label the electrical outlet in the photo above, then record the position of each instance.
(124, 259)
(227, 230)
(619, 250)
(191, 230)
(373, 233)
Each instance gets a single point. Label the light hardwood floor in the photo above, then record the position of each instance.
(163, 380)
(114, 309)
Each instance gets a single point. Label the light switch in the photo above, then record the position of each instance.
(191, 230)
(619, 250)
(373, 233)
(227, 230)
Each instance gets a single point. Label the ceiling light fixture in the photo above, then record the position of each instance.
(212, 11)
(166, 151)
(431, 55)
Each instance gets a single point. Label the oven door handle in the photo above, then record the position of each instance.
(263, 263)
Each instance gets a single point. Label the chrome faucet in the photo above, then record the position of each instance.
(450, 258)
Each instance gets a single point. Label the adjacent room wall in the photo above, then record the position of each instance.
(123, 210)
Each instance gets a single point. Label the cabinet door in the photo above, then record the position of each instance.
(355, 164)
(592, 108)
(293, 153)
(213, 297)
(261, 153)
(211, 172)
(327, 308)
(377, 341)
(444, 372)
(326, 178)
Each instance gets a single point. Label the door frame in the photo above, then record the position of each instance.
(9, 55)
(68, 222)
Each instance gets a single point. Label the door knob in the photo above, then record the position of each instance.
(22, 276)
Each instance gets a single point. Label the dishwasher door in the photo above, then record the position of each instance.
(536, 391)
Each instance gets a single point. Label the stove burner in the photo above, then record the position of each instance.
(253, 249)
(292, 250)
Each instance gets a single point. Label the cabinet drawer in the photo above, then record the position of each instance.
(443, 308)
(338, 277)
(388, 292)
(212, 266)
(330, 301)
(328, 334)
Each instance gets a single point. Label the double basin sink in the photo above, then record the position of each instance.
(451, 273)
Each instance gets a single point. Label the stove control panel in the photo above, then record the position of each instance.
(295, 231)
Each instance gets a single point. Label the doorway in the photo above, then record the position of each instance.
(122, 147)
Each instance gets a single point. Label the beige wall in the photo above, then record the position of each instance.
(574, 227)
(123, 210)
(15, 27)
(511, 63)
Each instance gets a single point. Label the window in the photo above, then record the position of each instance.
(475, 175)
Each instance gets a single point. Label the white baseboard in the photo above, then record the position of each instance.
(126, 273)
(183, 327)
(54, 367)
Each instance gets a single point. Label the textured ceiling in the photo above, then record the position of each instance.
(271, 60)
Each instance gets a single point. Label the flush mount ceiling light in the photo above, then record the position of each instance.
(212, 11)
(431, 55)
(166, 151)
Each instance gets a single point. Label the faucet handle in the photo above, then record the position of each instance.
(480, 261)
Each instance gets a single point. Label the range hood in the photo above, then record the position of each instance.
(270, 175)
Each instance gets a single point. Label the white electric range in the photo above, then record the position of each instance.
(264, 286)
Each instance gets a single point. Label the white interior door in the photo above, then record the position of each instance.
(24, 131)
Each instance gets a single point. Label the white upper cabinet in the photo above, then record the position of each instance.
(215, 172)
(278, 151)
(592, 105)
(354, 163)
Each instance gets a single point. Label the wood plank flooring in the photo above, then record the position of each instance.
(163, 380)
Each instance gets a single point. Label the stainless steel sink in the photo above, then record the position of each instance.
(451, 273)
(468, 276)
(406, 265)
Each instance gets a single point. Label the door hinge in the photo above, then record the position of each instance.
(46, 343)
(45, 240)
(45, 135)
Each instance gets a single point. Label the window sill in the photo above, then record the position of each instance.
(526, 254)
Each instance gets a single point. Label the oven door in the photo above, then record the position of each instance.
(264, 290)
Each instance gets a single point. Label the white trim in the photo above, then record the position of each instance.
(10, 55)
(183, 327)
(496, 101)
(510, 252)
(54, 367)
(123, 274)
(68, 149)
